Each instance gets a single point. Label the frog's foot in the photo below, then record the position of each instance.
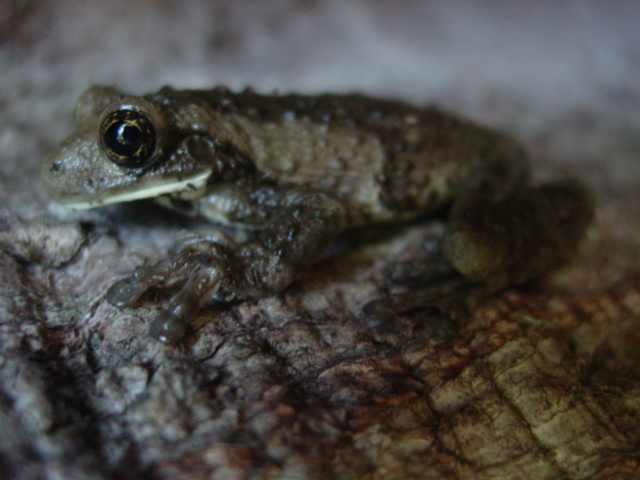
(200, 271)
(171, 324)
(127, 291)
(425, 268)
(451, 298)
(424, 283)
(408, 319)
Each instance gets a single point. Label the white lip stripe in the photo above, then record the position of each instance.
(155, 191)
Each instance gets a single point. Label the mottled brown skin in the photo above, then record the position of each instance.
(299, 170)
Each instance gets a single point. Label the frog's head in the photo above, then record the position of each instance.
(126, 148)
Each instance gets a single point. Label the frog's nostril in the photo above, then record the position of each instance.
(55, 167)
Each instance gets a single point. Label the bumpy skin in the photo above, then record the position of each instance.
(297, 171)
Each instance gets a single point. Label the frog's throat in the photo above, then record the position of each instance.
(189, 186)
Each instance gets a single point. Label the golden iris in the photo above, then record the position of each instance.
(128, 138)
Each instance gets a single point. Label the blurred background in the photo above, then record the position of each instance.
(560, 75)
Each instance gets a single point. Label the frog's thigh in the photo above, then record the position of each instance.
(505, 239)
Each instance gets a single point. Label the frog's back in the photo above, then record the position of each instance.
(386, 159)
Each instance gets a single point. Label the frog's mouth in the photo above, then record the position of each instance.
(189, 188)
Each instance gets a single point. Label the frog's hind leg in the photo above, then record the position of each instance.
(507, 239)
(501, 232)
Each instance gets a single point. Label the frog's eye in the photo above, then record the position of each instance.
(128, 138)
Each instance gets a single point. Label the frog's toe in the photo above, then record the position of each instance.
(168, 328)
(125, 292)
(449, 298)
(171, 324)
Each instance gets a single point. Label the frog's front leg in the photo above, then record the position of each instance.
(302, 226)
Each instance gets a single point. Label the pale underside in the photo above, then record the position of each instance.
(190, 187)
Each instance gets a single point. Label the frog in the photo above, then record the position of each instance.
(294, 172)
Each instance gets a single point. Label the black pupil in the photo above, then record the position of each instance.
(128, 138)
